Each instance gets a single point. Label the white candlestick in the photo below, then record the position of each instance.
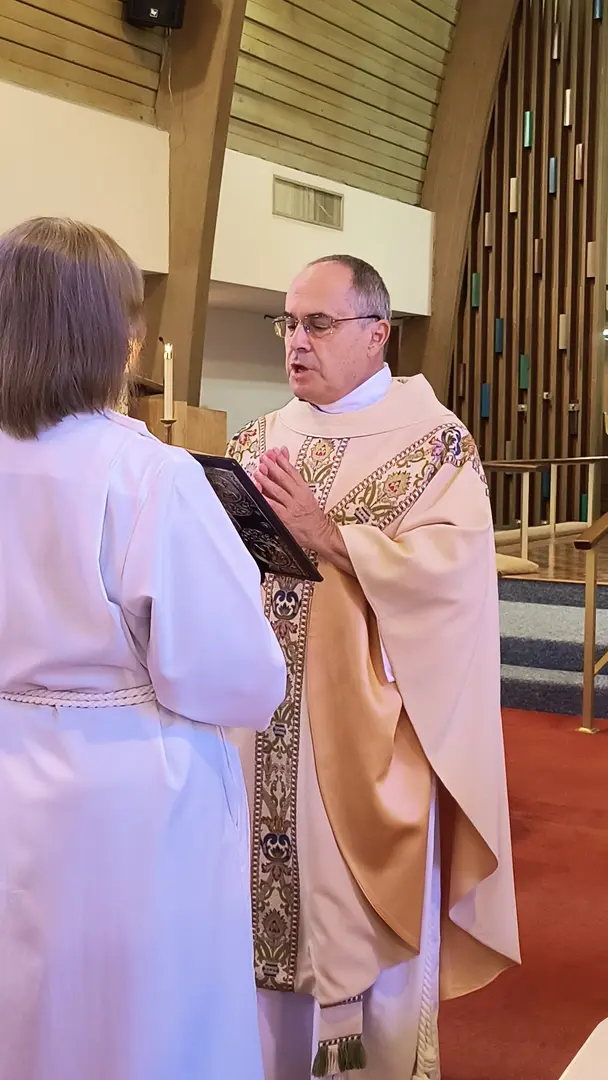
(168, 383)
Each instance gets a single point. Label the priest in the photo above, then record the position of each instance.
(382, 873)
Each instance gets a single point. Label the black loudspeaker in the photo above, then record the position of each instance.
(146, 13)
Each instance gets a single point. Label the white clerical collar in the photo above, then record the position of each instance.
(369, 393)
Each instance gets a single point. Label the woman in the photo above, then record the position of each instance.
(131, 632)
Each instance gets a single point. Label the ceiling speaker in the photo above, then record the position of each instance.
(147, 13)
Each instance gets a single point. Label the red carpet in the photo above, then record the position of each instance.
(530, 1023)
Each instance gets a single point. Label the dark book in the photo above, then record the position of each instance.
(262, 532)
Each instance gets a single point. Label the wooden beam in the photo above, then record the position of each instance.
(480, 40)
(194, 105)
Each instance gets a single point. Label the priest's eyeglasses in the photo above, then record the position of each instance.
(317, 325)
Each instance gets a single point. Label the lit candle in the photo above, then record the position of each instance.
(168, 383)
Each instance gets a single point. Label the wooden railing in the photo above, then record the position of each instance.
(589, 542)
(551, 465)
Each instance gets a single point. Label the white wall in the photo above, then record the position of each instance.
(69, 160)
(255, 248)
(243, 367)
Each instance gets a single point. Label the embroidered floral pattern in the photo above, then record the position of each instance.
(274, 873)
(396, 486)
(247, 446)
(378, 500)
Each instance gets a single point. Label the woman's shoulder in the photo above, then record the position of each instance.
(140, 458)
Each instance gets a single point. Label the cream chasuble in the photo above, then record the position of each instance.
(393, 690)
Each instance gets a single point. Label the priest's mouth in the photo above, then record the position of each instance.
(299, 369)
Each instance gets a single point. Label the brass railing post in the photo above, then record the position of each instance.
(525, 516)
(589, 641)
(553, 502)
(591, 493)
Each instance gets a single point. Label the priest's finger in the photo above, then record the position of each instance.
(268, 455)
(268, 470)
(279, 510)
(287, 468)
(274, 492)
(274, 454)
(277, 453)
(278, 472)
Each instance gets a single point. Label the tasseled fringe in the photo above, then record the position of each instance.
(344, 1055)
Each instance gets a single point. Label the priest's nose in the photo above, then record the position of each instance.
(300, 340)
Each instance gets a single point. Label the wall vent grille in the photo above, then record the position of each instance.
(308, 204)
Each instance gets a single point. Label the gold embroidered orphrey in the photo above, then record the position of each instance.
(379, 500)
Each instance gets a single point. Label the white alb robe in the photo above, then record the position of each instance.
(400, 1011)
(125, 923)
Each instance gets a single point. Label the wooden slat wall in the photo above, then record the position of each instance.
(82, 51)
(343, 89)
(529, 276)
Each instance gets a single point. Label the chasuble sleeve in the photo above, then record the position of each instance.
(432, 585)
(211, 653)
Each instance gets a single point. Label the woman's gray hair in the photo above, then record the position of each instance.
(370, 293)
(71, 319)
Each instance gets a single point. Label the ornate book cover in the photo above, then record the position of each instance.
(262, 532)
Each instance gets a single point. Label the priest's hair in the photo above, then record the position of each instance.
(71, 319)
(369, 291)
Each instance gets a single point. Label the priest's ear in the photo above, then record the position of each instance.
(380, 333)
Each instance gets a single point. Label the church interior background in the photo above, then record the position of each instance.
(461, 146)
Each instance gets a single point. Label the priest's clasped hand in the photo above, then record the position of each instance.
(291, 498)
(294, 503)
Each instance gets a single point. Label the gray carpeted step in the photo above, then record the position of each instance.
(537, 690)
(553, 593)
(539, 636)
(542, 631)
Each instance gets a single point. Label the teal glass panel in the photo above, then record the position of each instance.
(584, 506)
(524, 373)
(499, 335)
(475, 290)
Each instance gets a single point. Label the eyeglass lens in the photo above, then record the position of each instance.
(312, 324)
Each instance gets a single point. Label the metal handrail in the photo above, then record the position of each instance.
(535, 465)
(589, 542)
(526, 468)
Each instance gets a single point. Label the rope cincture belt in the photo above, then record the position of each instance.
(83, 699)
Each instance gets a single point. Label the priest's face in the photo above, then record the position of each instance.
(336, 349)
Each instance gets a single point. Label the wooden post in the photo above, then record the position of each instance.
(194, 105)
